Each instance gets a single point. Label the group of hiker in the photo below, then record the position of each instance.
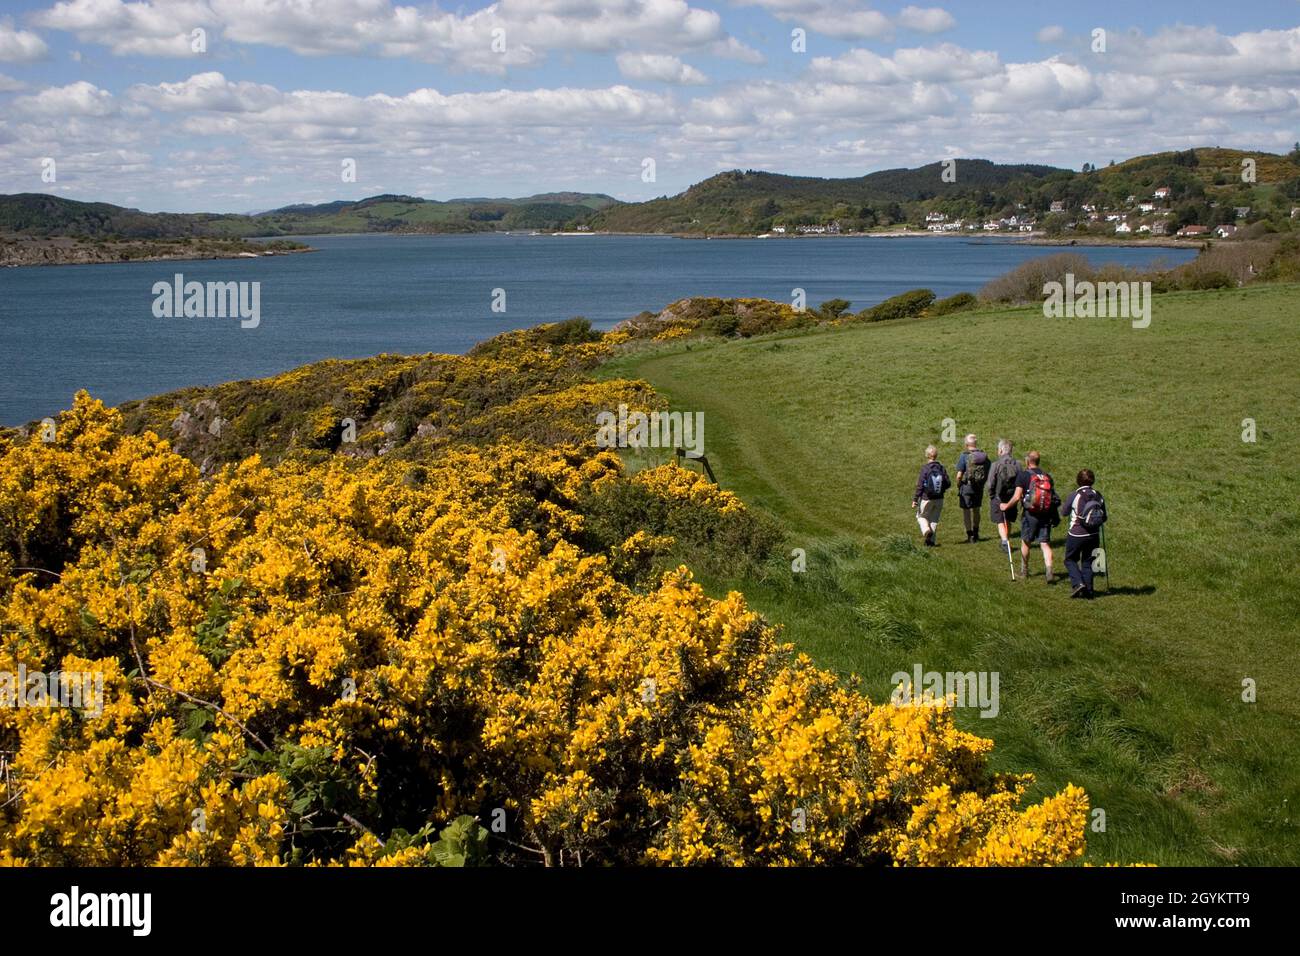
(1015, 488)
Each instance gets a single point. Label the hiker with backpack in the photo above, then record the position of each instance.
(927, 500)
(1001, 484)
(972, 474)
(1086, 510)
(1038, 492)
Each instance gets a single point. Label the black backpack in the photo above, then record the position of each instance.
(935, 480)
(1089, 510)
(977, 468)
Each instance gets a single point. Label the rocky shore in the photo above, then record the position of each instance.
(65, 250)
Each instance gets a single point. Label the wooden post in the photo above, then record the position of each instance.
(693, 456)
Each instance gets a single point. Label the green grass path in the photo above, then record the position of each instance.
(1136, 696)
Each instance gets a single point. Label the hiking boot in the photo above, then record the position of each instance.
(1050, 579)
(929, 539)
(975, 536)
(1079, 592)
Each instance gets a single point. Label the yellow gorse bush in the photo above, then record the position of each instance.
(326, 663)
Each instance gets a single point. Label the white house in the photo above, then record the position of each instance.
(1146, 207)
(1058, 206)
(1226, 231)
(1123, 228)
(935, 217)
(778, 230)
(1162, 193)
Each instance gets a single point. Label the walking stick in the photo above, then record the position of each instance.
(1106, 551)
(1010, 561)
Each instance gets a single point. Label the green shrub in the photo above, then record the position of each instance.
(724, 323)
(960, 302)
(833, 308)
(1209, 280)
(902, 306)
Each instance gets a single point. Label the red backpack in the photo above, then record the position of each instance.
(1038, 499)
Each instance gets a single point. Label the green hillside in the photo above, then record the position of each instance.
(1206, 189)
(1136, 696)
(753, 201)
(35, 214)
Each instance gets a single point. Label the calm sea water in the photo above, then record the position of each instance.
(68, 327)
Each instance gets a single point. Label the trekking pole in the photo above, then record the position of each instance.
(1010, 561)
(1106, 551)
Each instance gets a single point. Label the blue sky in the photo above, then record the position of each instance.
(525, 96)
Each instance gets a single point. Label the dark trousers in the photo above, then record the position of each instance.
(1078, 558)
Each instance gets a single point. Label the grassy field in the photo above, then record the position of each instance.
(1136, 696)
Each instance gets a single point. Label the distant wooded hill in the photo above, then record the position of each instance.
(1206, 186)
(36, 214)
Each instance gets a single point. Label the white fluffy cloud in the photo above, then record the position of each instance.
(926, 19)
(659, 67)
(145, 28)
(254, 108)
(19, 46)
(649, 80)
(78, 99)
(944, 63)
(1049, 85)
(853, 19)
(843, 19)
(505, 34)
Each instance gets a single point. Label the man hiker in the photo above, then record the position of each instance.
(927, 500)
(1001, 486)
(1038, 492)
(972, 474)
(1086, 510)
